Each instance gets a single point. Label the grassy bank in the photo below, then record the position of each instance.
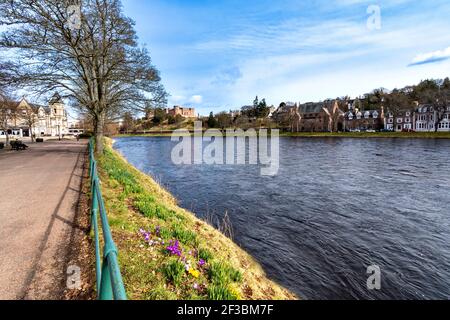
(360, 135)
(403, 135)
(165, 252)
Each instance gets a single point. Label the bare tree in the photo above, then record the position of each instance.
(29, 117)
(7, 113)
(98, 66)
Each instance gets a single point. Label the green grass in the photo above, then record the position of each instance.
(185, 236)
(220, 292)
(133, 202)
(174, 271)
(221, 273)
(205, 254)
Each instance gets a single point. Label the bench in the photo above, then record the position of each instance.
(18, 145)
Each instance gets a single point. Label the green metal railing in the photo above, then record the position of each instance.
(109, 280)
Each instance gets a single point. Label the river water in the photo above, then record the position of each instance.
(336, 207)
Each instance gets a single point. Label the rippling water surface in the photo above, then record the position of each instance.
(336, 207)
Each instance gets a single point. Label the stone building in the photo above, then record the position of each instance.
(29, 119)
(357, 120)
(184, 112)
(310, 117)
(427, 117)
(402, 121)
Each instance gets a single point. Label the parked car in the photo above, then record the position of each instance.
(370, 131)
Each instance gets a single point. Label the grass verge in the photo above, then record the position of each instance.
(165, 252)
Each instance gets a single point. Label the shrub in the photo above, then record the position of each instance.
(220, 292)
(174, 271)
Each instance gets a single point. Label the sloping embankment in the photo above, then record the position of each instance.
(165, 252)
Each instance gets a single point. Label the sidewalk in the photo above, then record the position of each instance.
(40, 189)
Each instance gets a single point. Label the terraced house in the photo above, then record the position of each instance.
(356, 120)
(27, 119)
(428, 119)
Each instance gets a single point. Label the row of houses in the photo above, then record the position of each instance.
(337, 116)
(27, 119)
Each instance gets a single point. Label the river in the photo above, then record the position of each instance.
(336, 207)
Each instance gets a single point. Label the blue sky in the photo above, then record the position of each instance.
(218, 55)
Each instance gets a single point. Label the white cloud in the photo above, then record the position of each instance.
(431, 57)
(196, 99)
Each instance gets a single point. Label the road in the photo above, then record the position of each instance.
(40, 190)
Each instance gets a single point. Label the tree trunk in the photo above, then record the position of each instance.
(31, 134)
(98, 131)
(7, 137)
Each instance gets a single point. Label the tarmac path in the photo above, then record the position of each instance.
(39, 192)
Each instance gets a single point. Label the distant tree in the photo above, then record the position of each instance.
(256, 102)
(7, 113)
(29, 116)
(171, 119)
(259, 109)
(372, 100)
(128, 123)
(160, 116)
(262, 110)
(248, 111)
(224, 120)
(212, 122)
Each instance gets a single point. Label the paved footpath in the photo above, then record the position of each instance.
(39, 193)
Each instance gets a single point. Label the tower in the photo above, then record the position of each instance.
(58, 118)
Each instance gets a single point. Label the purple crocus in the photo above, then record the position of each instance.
(201, 263)
(175, 249)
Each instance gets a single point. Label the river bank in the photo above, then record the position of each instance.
(355, 135)
(165, 252)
